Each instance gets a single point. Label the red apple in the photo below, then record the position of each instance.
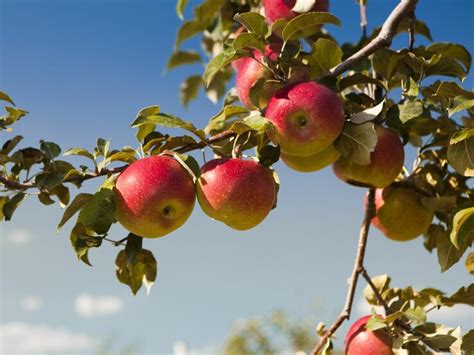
(276, 9)
(307, 116)
(154, 196)
(313, 162)
(400, 215)
(239, 193)
(360, 341)
(249, 70)
(386, 162)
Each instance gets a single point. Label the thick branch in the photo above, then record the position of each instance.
(383, 39)
(15, 185)
(358, 267)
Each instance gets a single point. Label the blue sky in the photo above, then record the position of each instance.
(83, 69)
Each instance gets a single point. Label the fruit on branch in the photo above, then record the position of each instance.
(386, 162)
(276, 9)
(360, 341)
(239, 193)
(313, 162)
(307, 116)
(249, 70)
(154, 196)
(400, 215)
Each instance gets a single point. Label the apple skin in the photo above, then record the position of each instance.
(360, 341)
(313, 162)
(307, 117)
(239, 193)
(386, 162)
(250, 70)
(276, 9)
(400, 214)
(154, 196)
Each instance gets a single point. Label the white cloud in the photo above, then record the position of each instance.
(31, 303)
(19, 236)
(455, 314)
(90, 306)
(180, 348)
(21, 338)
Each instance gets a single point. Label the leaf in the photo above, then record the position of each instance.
(253, 22)
(368, 114)
(375, 323)
(82, 239)
(303, 24)
(325, 54)
(152, 115)
(5, 97)
(99, 212)
(381, 283)
(469, 261)
(419, 27)
(248, 40)
(461, 152)
(357, 79)
(189, 29)
(257, 122)
(446, 67)
(410, 109)
(79, 151)
(183, 57)
(10, 144)
(448, 254)
(216, 123)
(462, 232)
(439, 203)
(180, 5)
(452, 51)
(464, 295)
(417, 315)
(79, 201)
(9, 207)
(217, 64)
(135, 266)
(189, 89)
(468, 342)
(268, 155)
(460, 103)
(50, 149)
(357, 142)
(3, 201)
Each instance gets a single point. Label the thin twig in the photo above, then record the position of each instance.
(358, 266)
(363, 18)
(411, 30)
(377, 294)
(383, 39)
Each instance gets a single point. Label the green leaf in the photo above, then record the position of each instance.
(462, 232)
(419, 27)
(51, 150)
(79, 151)
(460, 103)
(464, 295)
(135, 267)
(10, 144)
(325, 54)
(305, 24)
(410, 109)
(468, 342)
(218, 63)
(452, 51)
(82, 239)
(189, 29)
(381, 283)
(357, 79)
(152, 115)
(461, 152)
(257, 122)
(248, 40)
(448, 254)
(217, 122)
(183, 57)
(189, 89)
(268, 155)
(5, 97)
(417, 315)
(469, 261)
(253, 22)
(79, 201)
(374, 323)
(99, 212)
(9, 207)
(446, 67)
(3, 201)
(368, 114)
(180, 5)
(357, 142)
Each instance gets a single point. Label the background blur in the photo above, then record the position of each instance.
(83, 68)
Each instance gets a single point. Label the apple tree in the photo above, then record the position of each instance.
(312, 101)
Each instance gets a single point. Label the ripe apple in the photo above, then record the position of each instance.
(275, 9)
(386, 162)
(154, 196)
(249, 70)
(360, 341)
(307, 117)
(239, 193)
(313, 162)
(400, 215)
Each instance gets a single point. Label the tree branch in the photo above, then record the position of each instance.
(377, 294)
(357, 270)
(22, 186)
(383, 39)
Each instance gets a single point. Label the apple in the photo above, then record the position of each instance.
(276, 9)
(386, 162)
(307, 117)
(239, 193)
(249, 70)
(400, 215)
(154, 196)
(313, 162)
(360, 341)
